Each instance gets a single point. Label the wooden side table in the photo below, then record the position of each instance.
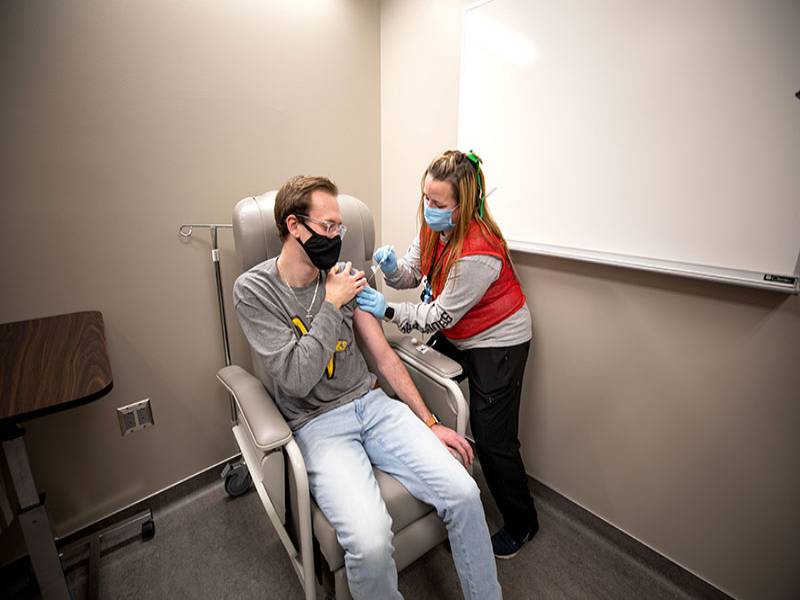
(46, 366)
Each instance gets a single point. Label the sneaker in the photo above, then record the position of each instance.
(505, 546)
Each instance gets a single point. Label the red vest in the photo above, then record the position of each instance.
(503, 298)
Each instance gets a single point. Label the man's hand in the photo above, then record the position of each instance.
(454, 442)
(341, 286)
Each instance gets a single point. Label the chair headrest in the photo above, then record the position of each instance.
(256, 235)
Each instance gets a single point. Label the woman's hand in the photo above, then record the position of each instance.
(386, 257)
(454, 442)
(372, 301)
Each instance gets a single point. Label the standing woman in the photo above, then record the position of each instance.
(473, 300)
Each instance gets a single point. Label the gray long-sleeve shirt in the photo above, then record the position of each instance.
(312, 372)
(467, 282)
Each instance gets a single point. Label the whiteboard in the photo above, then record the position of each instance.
(664, 134)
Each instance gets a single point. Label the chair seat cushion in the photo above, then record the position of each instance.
(403, 508)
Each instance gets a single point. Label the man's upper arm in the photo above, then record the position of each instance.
(371, 332)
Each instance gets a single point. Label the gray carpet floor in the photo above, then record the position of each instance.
(210, 546)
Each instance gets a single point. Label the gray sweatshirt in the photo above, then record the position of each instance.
(466, 284)
(315, 364)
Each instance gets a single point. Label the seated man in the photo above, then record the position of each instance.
(298, 313)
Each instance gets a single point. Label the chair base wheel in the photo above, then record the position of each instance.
(237, 479)
(148, 530)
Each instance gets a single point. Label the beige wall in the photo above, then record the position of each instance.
(668, 407)
(120, 121)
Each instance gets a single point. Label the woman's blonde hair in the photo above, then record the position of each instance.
(464, 173)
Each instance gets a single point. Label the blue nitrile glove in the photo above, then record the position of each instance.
(372, 301)
(389, 258)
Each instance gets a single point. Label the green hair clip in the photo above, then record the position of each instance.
(476, 162)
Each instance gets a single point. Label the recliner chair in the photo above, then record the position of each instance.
(272, 456)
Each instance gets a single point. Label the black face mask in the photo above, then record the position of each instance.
(322, 251)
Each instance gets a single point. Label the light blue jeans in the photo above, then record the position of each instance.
(340, 447)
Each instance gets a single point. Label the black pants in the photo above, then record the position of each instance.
(495, 386)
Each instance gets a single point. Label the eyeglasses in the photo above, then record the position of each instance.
(331, 228)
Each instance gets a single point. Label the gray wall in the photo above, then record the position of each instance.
(668, 407)
(122, 120)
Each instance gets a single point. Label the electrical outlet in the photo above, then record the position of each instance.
(136, 416)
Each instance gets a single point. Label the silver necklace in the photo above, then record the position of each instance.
(309, 314)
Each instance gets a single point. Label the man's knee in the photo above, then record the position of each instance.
(372, 547)
(463, 491)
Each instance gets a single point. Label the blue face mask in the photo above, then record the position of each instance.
(439, 219)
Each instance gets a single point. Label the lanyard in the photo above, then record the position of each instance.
(436, 258)
(427, 293)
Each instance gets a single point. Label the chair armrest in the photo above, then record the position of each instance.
(266, 424)
(417, 353)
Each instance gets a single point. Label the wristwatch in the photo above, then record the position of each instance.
(388, 314)
(432, 420)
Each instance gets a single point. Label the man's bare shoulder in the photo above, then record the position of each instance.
(370, 330)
